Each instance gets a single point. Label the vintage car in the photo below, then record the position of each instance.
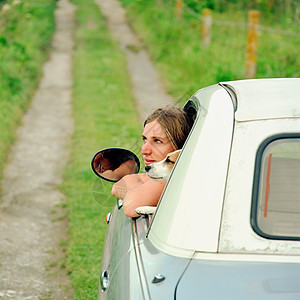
(228, 222)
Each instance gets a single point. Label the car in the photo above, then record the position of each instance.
(227, 225)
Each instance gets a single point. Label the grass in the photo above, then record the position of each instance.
(105, 116)
(186, 65)
(25, 35)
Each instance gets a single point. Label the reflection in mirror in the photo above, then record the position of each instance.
(114, 163)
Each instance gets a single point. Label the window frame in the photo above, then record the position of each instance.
(256, 182)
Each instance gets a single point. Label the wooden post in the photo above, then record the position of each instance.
(206, 26)
(253, 18)
(179, 6)
(270, 5)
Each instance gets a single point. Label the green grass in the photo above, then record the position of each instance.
(105, 116)
(25, 35)
(186, 65)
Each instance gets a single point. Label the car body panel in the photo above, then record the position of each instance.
(255, 103)
(136, 258)
(237, 235)
(200, 182)
(223, 279)
(119, 260)
(158, 263)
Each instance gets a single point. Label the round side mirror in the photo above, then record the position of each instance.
(114, 163)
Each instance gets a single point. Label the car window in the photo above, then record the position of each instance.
(276, 209)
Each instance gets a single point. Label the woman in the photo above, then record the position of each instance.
(165, 131)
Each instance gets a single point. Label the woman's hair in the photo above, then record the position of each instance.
(175, 122)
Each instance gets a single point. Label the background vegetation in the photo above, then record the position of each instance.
(25, 33)
(273, 8)
(186, 65)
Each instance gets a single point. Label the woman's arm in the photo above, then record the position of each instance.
(137, 190)
(147, 194)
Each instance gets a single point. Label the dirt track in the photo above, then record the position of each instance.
(32, 220)
(147, 88)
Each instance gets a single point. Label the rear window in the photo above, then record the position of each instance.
(276, 192)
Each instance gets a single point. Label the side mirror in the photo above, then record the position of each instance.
(112, 164)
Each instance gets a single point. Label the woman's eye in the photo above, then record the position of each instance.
(157, 141)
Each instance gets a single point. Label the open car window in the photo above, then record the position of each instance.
(276, 197)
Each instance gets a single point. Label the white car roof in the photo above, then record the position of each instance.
(262, 98)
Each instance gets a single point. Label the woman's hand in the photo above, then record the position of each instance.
(128, 167)
(127, 183)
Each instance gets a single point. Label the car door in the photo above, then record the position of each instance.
(159, 272)
(119, 273)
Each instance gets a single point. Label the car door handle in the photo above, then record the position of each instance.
(119, 203)
(104, 280)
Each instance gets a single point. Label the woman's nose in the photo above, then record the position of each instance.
(146, 149)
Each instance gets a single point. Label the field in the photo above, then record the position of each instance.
(186, 64)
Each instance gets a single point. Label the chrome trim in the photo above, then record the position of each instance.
(232, 93)
(104, 280)
(158, 278)
(140, 266)
(119, 203)
(108, 217)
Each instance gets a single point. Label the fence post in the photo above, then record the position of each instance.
(253, 20)
(270, 5)
(179, 6)
(206, 26)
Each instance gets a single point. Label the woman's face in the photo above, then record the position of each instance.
(156, 144)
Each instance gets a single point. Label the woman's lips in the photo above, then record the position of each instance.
(148, 161)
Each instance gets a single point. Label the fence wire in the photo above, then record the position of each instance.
(242, 24)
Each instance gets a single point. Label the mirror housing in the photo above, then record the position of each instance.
(112, 164)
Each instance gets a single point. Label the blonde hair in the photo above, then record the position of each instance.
(175, 123)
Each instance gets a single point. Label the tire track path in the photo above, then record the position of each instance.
(147, 88)
(32, 220)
